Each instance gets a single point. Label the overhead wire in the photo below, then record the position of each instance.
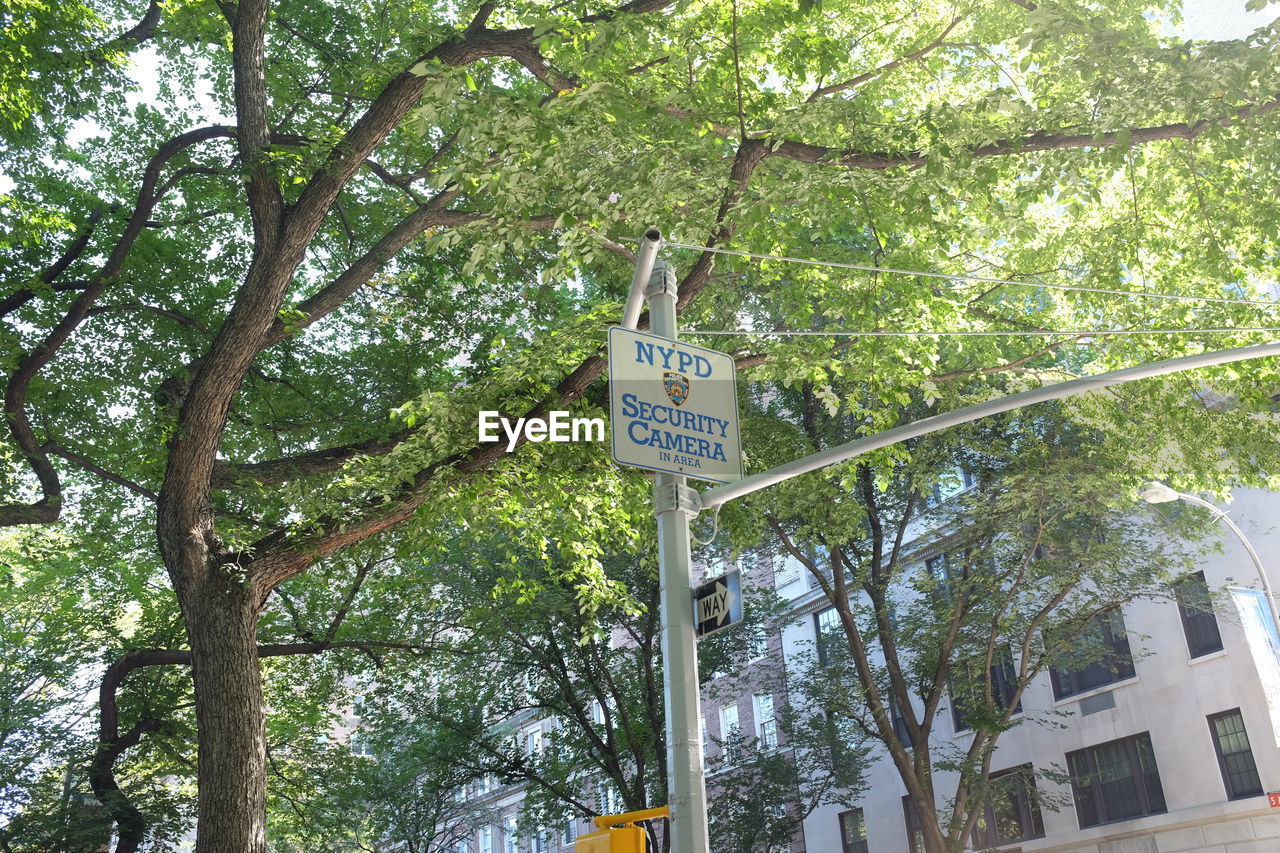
(1081, 333)
(1183, 297)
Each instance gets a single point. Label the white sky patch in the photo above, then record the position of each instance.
(1222, 20)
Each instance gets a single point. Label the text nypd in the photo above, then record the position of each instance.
(681, 436)
(556, 426)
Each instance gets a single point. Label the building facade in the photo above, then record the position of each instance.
(1170, 745)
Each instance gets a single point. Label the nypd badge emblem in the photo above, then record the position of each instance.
(677, 385)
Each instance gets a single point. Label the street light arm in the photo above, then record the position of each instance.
(720, 495)
(1248, 546)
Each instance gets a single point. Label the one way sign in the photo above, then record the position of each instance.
(717, 604)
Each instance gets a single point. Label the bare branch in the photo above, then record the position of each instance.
(80, 461)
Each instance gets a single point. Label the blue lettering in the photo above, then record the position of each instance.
(629, 405)
(631, 431)
(644, 353)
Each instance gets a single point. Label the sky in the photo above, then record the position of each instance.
(1217, 20)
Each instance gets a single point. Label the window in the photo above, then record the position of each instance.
(608, 798)
(950, 484)
(1101, 656)
(853, 832)
(1116, 780)
(1011, 812)
(839, 737)
(1195, 605)
(915, 830)
(972, 691)
(786, 571)
(899, 723)
(759, 645)
(940, 569)
(570, 832)
(538, 843)
(360, 744)
(828, 632)
(486, 839)
(730, 731)
(766, 725)
(533, 741)
(510, 841)
(1235, 758)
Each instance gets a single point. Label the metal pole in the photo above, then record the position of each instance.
(719, 495)
(1248, 547)
(649, 245)
(674, 504)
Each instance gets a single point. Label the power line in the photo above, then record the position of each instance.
(1080, 333)
(976, 278)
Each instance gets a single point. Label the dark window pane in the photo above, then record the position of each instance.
(1116, 781)
(899, 724)
(853, 832)
(1196, 608)
(1101, 653)
(970, 691)
(915, 835)
(1012, 811)
(1235, 757)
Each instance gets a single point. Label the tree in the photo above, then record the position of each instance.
(1040, 554)
(214, 304)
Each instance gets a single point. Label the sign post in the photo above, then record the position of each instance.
(674, 505)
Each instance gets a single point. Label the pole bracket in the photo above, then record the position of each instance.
(662, 280)
(678, 497)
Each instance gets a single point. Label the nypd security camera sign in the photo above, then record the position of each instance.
(673, 407)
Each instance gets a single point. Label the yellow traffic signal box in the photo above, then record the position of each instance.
(619, 833)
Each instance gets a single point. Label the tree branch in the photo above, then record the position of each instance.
(887, 67)
(803, 152)
(49, 506)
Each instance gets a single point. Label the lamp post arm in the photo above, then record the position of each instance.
(1248, 547)
(720, 495)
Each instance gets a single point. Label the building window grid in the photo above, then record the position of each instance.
(1195, 606)
(899, 723)
(1011, 812)
(766, 724)
(826, 627)
(1235, 756)
(1115, 781)
(1004, 684)
(730, 730)
(510, 841)
(1115, 663)
(853, 832)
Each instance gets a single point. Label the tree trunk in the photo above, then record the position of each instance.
(222, 622)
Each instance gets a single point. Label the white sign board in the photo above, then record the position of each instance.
(1263, 638)
(673, 407)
